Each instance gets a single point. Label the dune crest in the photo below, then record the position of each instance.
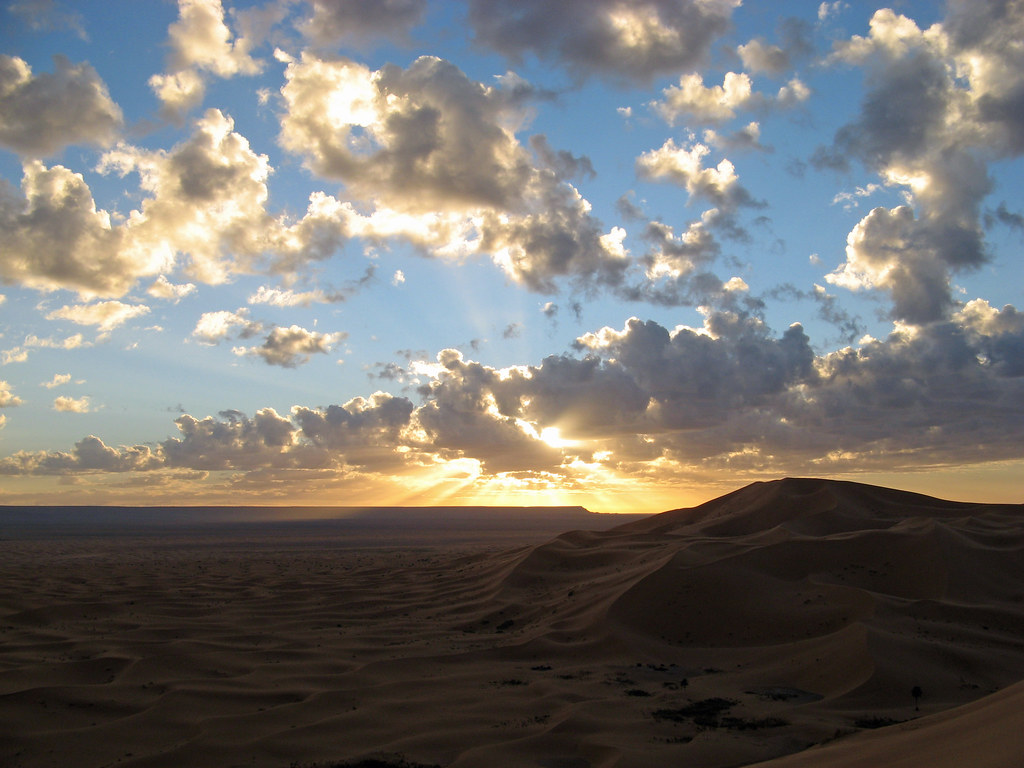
(781, 616)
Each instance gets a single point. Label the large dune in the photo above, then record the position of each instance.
(786, 622)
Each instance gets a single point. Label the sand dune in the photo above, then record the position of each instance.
(983, 734)
(785, 622)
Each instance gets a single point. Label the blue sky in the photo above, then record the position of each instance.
(621, 254)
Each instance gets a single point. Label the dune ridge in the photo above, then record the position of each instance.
(786, 622)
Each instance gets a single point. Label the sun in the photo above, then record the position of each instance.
(553, 437)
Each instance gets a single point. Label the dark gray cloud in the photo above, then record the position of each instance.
(623, 41)
(1004, 215)
(743, 139)
(234, 441)
(795, 42)
(940, 104)
(292, 346)
(355, 22)
(363, 432)
(565, 164)
(89, 454)
(695, 379)
(645, 401)
(986, 35)
(47, 16)
(52, 235)
(903, 112)
(40, 114)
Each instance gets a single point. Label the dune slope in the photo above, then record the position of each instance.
(790, 618)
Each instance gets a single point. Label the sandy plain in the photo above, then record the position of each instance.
(783, 625)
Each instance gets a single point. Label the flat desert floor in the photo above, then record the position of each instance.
(783, 625)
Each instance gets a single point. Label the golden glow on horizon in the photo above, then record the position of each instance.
(462, 482)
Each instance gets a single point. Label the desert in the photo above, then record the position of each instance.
(790, 623)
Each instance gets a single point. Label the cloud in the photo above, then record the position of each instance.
(66, 404)
(931, 384)
(758, 56)
(793, 93)
(638, 403)
(730, 348)
(423, 138)
(432, 157)
(205, 206)
(1005, 216)
(746, 138)
(676, 266)
(235, 442)
(200, 41)
(623, 41)
(362, 432)
(206, 201)
(850, 199)
(278, 297)
(162, 288)
(691, 100)
(464, 418)
(19, 354)
(996, 334)
(356, 21)
(47, 16)
(322, 230)
(203, 211)
(106, 315)
(15, 355)
(54, 237)
(882, 252)
(428, 156)
(180, 92)
(886, 404)
(561, 240)
(292, 346)
(907, 63)
(214, 327)
(200, 38)
(684, 166)
(986, 39)
(89, 454)
(565, 165)
(827, 10)
(58, 380)
(957, 86)
(42, 114)
(7, 398)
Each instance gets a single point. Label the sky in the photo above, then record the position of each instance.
(623, 254)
